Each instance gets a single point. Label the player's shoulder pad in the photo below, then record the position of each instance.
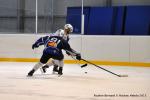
(60, 32)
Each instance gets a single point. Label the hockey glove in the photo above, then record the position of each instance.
(78, 57)
(34, 46)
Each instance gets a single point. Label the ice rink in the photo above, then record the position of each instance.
(75, 84)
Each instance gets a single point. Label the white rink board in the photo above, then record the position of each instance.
(140, 49)
(105, 48)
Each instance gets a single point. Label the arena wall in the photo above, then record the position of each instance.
(111, 50)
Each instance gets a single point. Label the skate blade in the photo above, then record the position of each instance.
(28, 76)
(59, 75)
(42, 71)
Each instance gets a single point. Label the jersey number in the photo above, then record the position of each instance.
(53, 42)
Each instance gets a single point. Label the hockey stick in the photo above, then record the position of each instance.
(84, 65)
(73, 54)
(105, 69)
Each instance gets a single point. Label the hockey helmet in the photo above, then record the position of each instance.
(69, 26)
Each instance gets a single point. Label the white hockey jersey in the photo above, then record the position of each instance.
(61, 33)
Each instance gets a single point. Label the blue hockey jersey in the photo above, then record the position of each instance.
(55, 42)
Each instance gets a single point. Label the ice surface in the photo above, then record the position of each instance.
(75, 84)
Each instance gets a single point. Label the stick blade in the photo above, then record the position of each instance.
(123, 75)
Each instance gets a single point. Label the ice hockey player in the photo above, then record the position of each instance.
(68, 28)
(53, 49)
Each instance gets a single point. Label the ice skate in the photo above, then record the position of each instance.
(60, 71)
(55, 69)
(43, 69)
(31, 73)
